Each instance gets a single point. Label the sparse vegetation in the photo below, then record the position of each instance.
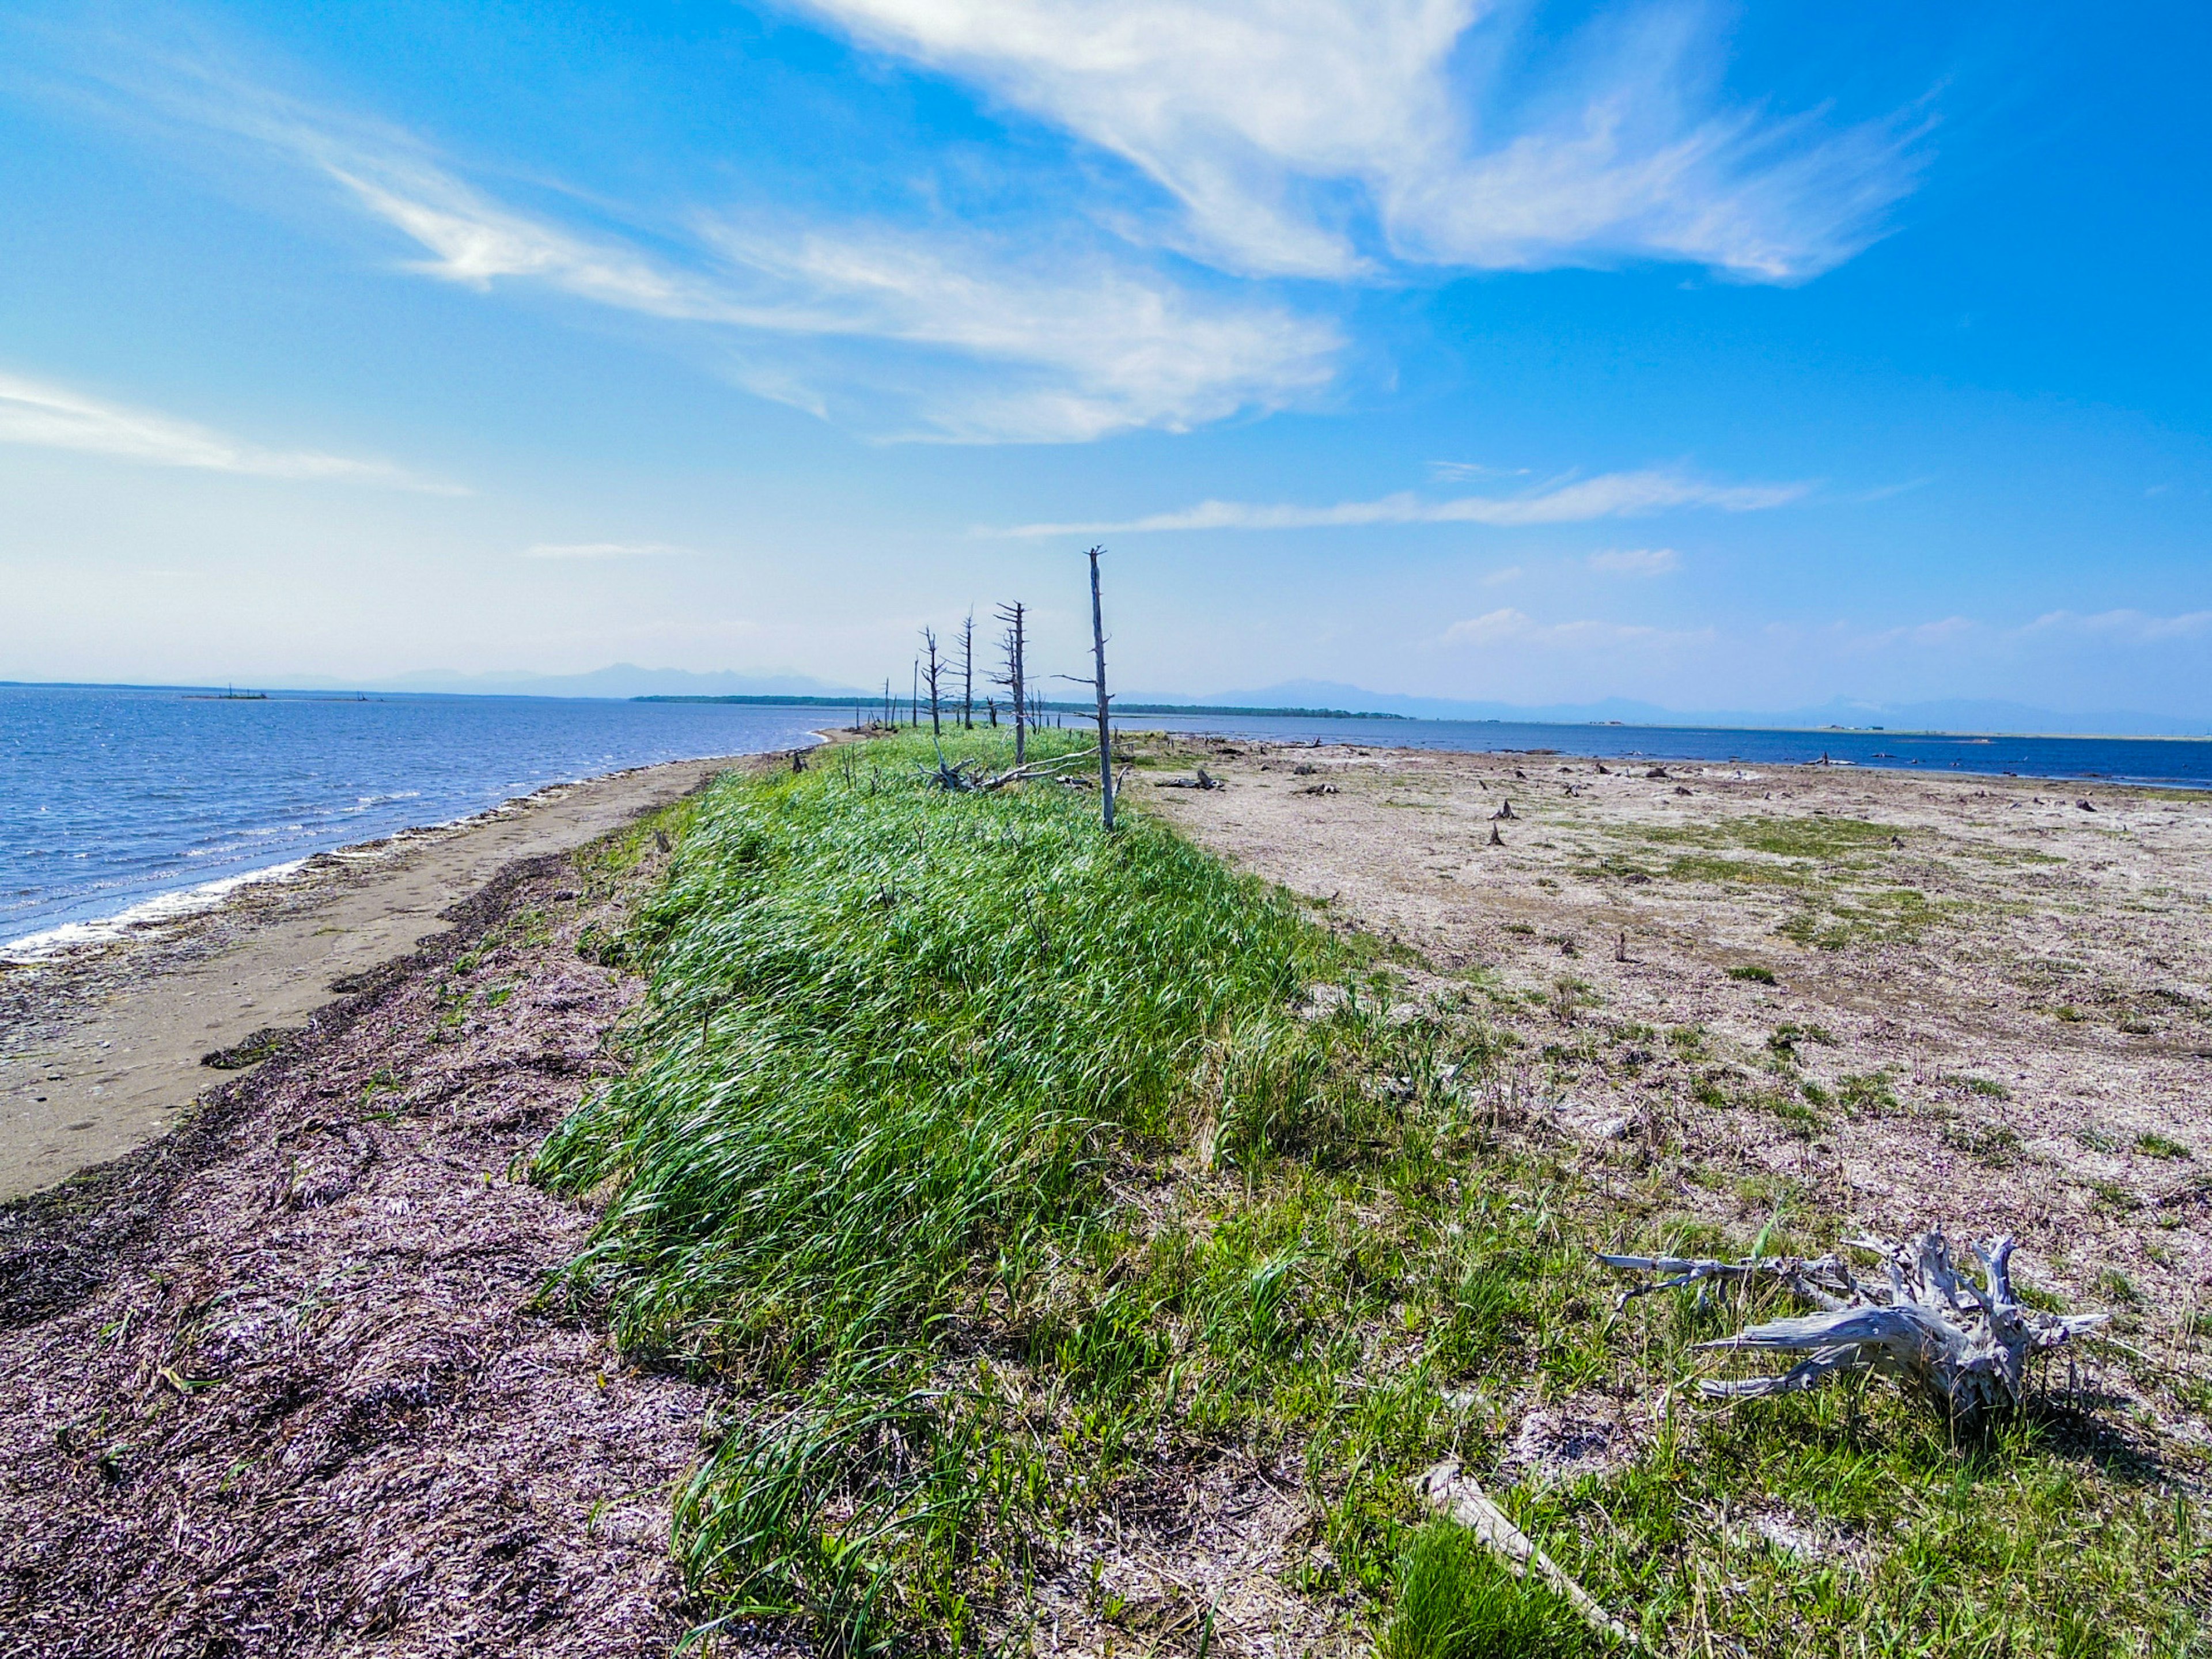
(1752, 974)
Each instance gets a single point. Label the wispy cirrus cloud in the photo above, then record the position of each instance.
(1636, 561)
(905, 330)
(49, 416)
(1509, 625)
(1332, 138)
(1610, 495)
(2127, 624)
(601, 550)
(1359, 142)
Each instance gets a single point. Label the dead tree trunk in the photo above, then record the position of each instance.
(936, 666)
(967, 672)
(1098, 685)
(1014, 642)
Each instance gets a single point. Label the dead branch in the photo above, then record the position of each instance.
(1035, 769)
(1964, 1343)
(1457, 1496)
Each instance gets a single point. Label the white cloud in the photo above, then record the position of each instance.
(599, 550)
(1499, 578)
(1061, 345)
(1281, 130)
(1511, 626)
(1108, 345)
(1468, 471)
(1610, 495)
(1636, 561)
(2123, 624)
(52, 417)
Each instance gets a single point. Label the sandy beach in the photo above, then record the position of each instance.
(99, 1051)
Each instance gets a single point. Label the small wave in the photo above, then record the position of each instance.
(162, 907)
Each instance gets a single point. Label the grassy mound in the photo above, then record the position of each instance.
(1008, 1173)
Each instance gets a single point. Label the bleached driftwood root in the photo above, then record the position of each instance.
(1457, 1496)
(1966, 1344)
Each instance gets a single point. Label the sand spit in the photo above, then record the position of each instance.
(1991, 1002)
(280, 1383)
(99, 1050)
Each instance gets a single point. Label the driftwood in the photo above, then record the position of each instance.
(964, 775)
(1964, 1343)
(1457, 1496)
(1203, 780)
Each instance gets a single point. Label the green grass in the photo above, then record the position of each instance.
(1788, 838)
(1752, 974)
(1000, 1172)
(1455, 1602)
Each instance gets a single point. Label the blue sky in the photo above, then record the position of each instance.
(1717, 358)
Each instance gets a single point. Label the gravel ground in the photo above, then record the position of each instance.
(1990, 1009)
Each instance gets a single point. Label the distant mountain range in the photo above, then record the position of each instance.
(1953, 714)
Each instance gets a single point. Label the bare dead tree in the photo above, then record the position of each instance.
(967, 671)
(1014, 642)
(937, 667)
(1098, 685)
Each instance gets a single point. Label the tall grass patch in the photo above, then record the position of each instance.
(896, 1036)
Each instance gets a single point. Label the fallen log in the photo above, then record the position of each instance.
(1965, 1345)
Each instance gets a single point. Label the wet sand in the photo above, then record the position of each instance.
(101, 1051)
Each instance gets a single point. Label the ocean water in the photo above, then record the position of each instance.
(121, 805)
(135, 804)
(2177, 762)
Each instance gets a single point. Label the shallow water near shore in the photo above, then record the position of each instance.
(2178, 762)
(123, 805)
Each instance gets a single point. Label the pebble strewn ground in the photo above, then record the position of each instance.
(283, 1383)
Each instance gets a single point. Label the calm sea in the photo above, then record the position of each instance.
(135, 804)
(2184, 763)
(117, 806)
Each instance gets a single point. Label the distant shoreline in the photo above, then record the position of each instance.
(1664, 722)
(865, 703)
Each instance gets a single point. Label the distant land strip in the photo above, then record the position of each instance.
(1059, 707)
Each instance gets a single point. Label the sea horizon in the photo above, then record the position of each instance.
(100, 844)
